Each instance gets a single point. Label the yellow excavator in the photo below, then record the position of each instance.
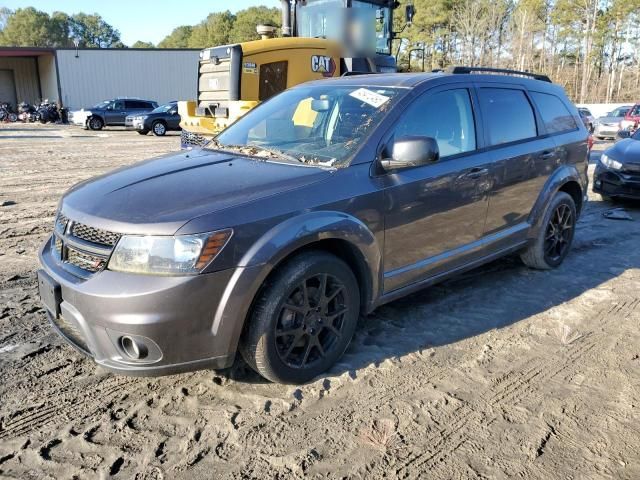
(320, 39)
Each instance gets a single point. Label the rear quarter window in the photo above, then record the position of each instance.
(555, 115)
(507, 114)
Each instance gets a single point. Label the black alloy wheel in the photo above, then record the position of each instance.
(311, 321)
(559, 233)
(302, 319)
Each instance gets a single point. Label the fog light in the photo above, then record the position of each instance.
(133, 348)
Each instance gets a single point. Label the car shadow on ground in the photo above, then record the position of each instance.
(493, 296)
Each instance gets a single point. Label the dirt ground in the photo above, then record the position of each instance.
(503, 372)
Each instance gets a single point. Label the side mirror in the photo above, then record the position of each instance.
(173, 112)
(411, 152)
(409, 12)
(110, 106)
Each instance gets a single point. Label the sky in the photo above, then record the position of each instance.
(145, 20)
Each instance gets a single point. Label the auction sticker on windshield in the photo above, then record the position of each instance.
(367, 96)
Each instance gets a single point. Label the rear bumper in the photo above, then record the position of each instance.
(616, 184)
(173, 318)
(606, 130)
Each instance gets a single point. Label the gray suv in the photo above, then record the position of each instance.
(321, 204)
(111, 112)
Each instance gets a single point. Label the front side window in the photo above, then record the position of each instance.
(445, 116)
(555, 115)
(320, 124)
(507, 114)
(118, 105)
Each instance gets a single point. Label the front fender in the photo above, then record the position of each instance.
(567, 173)
(276, 245)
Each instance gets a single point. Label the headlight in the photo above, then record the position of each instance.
(182, 254)
(610, 162)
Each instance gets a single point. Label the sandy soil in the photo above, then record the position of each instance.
(504, 372)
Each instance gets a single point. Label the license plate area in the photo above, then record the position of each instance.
(50, 293)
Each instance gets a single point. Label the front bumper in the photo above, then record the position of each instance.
(78, 118)
(173, 317)
(132, 123)
(614, 183)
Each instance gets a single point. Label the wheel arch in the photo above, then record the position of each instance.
(565, 179)
(335, 232)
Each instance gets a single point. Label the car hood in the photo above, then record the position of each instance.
(609, 119)
(626, 151)
(159, 196)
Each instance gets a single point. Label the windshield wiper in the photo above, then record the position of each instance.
(250, 150)
(277, 153)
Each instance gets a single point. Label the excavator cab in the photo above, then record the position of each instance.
(320, 39)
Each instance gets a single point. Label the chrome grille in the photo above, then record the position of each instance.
(94, 235)
(81, 250)
(88, 262)
(61, 223)
(58, 245)
(191, 140)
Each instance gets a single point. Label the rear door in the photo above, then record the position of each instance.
(523, 156)
(433, 213)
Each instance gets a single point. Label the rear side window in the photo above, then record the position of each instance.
(555, 115)
(138, 104)
(507, 114)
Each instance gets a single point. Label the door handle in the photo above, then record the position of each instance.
(546, 154)
(476, 172)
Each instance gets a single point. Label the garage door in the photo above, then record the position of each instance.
(7, 87)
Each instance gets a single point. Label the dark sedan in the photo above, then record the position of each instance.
(618, 171)
(159, 121)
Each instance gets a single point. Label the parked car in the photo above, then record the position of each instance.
(617, 174)
(110, 112)
(587, 118)
(608, 125)
(321, 204)
(158, 121)
(632, 118)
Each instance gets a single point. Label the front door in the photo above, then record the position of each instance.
(116, 114)
(435, 213)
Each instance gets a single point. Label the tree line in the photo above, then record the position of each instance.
(590, 47)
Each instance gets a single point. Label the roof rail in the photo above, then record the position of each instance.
(536, 76)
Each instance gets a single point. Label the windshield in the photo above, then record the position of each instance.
(102, 104)
(320, 124)
(363, 29)
(163, 108)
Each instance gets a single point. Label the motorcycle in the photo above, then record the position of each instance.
(7, 114)
(48, 112)
(26, 112)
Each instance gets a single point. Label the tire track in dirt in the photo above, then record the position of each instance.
(450, 438)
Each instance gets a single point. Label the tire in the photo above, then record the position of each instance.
(159, 128)
(315, 327)
(95, 123)
(554, 239)
(142, 132)
(13, 117)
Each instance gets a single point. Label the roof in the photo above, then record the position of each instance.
(39, 51)
(413, 79)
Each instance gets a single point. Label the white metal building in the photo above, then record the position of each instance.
(81, 78)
